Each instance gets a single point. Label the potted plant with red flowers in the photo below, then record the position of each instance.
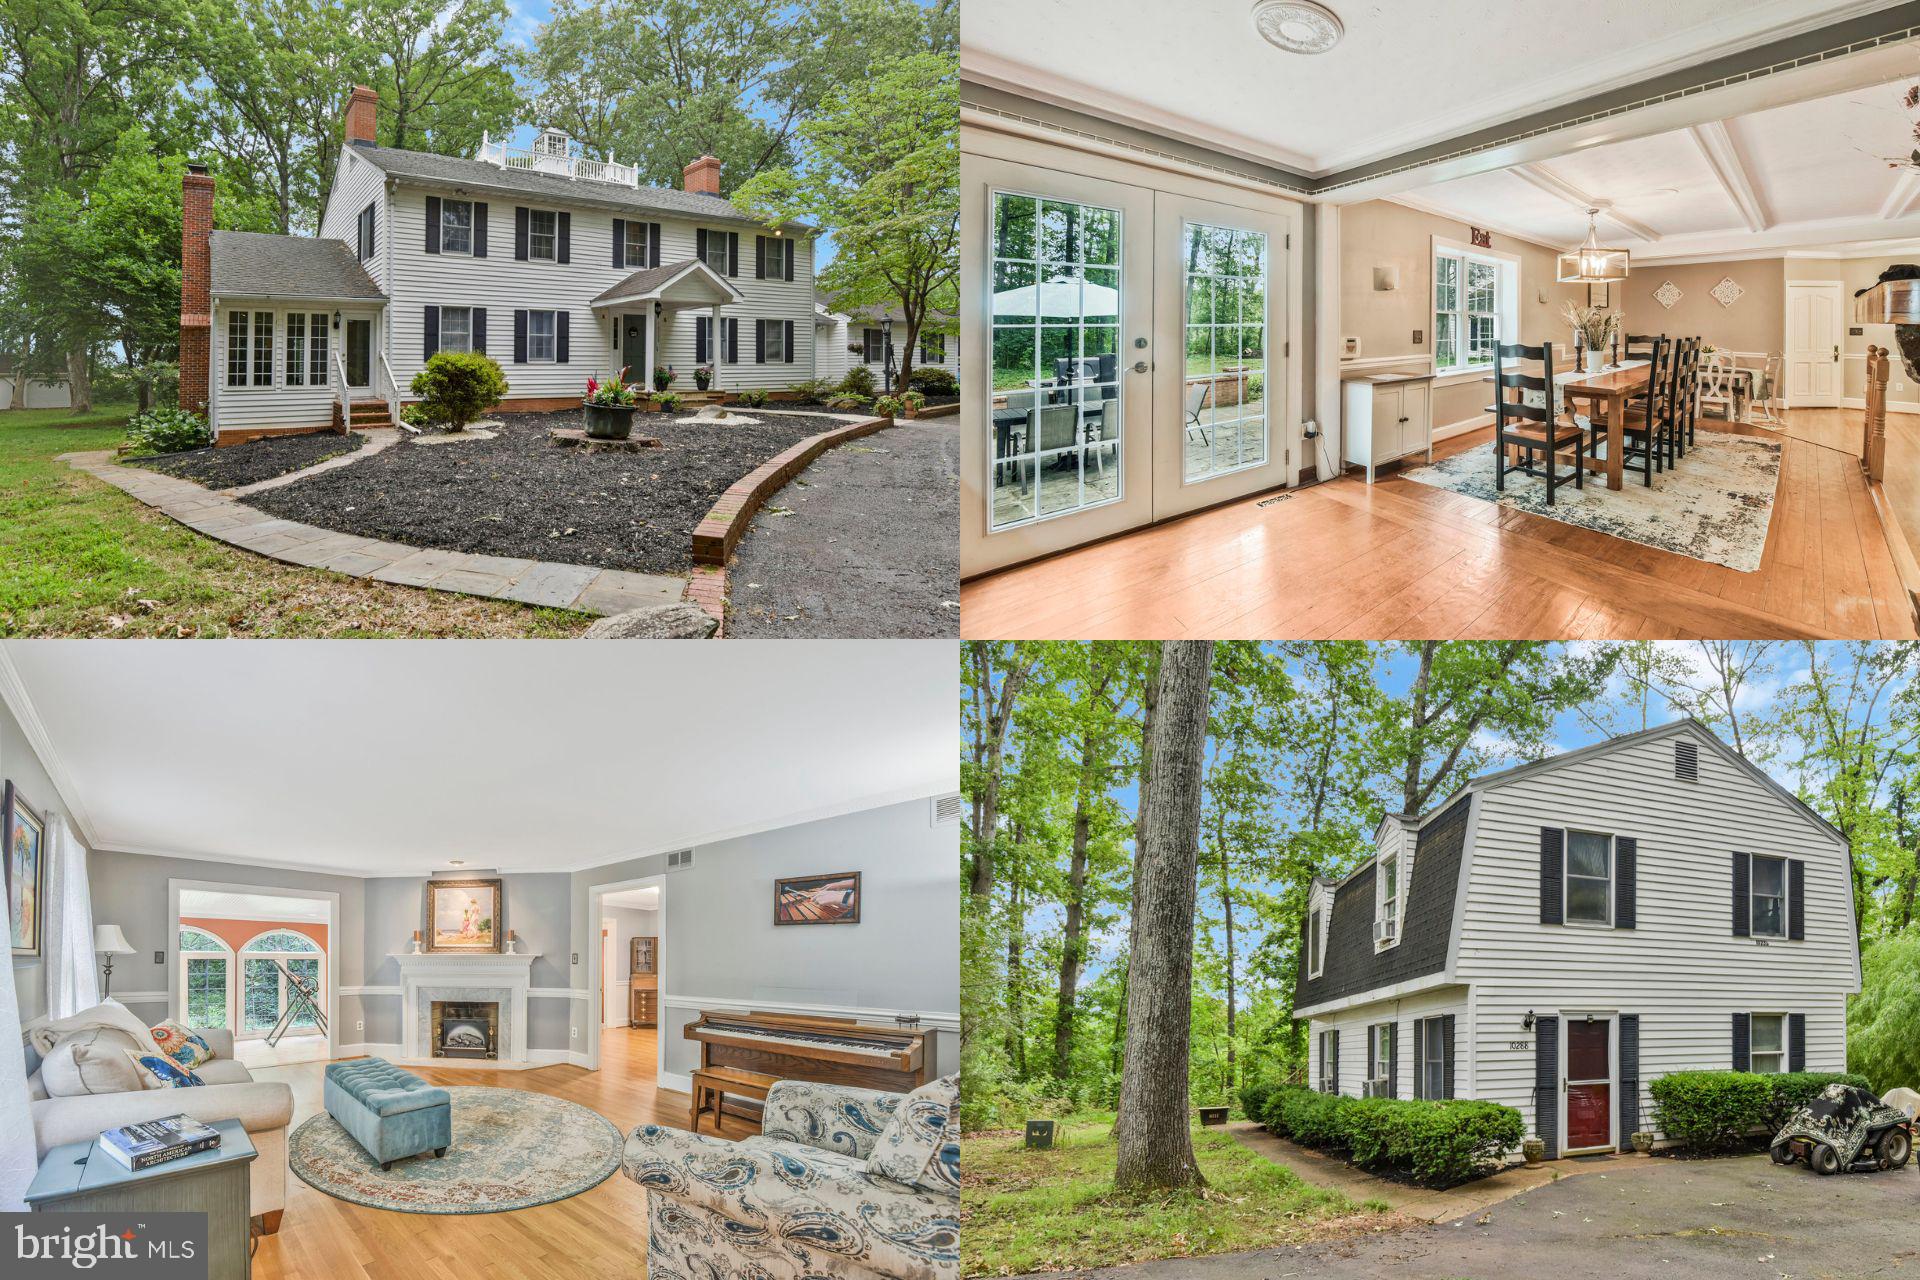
(663, 376)
(610, 405)
(703, 376)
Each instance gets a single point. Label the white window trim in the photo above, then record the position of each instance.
(237, 981)
(1326, 1081)
(445, 202)
(245, 351)
(1429, 1035)
(553, 237)
(718, 239)
(628, 246)
(443, 328)
(1507, 322)
(226, 955)
(771, 332)
(1753, 896)
(1379, 1038)
(777, 270)
(1566, 877)
(1784, 1052)
(1398, 858)
(1316, 944)
(553, 336)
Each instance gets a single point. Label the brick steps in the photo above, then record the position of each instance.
(368, 415)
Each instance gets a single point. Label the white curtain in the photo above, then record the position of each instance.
(73, 980)
(17, 1160)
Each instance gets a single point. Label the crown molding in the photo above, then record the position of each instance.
(13, 692)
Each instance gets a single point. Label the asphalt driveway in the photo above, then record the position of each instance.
(1658, 1217)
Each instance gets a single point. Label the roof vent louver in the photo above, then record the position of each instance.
(946, 810)
(1686, 761)
(680, 860)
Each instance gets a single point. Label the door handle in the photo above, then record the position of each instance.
(1141, 366)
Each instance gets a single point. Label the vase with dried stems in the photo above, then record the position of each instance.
(1594, 329)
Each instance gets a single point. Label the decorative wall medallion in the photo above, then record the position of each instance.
(1727, 292)
(1666, 295)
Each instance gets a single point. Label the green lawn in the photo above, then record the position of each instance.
(80, 558)
(1057, 1210)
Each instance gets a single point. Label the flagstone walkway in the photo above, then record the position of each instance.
(582, 588)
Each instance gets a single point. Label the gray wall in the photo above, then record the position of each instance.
(19, 763)
(628, 923)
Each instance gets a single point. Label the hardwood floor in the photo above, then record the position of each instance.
(599, 1233)
(1402, 560)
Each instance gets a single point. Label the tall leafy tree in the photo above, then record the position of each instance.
(442, 71)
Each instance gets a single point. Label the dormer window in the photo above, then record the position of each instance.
(1386, 916)
(551, 142)
(1313, 944)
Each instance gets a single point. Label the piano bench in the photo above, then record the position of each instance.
(717, 1082)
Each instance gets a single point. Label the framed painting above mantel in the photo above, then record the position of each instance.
(464, 915)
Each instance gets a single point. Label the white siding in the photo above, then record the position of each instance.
(1352, 1025)
(500, 284)
(856, 332)
(34, 394)
(830, 354)
(278, 405)
(356, 183)
(1681, 969)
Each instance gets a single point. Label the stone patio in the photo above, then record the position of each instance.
(582, 588)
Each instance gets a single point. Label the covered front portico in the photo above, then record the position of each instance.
(634, 308)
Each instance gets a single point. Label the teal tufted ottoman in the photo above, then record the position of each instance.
(392, 1113)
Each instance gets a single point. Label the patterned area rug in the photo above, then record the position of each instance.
(1715, 506)
(511, 1149)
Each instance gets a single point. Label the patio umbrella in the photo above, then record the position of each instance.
(1058, 299)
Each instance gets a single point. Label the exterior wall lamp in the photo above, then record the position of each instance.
(336, 320)
(1526, 1023)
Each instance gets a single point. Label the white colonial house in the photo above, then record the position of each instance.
(1561, 934)
(840, 331)
(557, 265)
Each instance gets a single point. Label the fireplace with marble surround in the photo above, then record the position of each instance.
(465, 1029)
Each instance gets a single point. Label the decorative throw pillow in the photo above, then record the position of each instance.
(179, 1042)
(95, 1061)
(162, 1072)
(909, 1149)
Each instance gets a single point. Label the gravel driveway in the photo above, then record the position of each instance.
(1739, 1217)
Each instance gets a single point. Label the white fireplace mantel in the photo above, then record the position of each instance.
(445, 975)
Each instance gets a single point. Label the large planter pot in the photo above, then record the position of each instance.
(1642, 1142)
(609, 421)
(1534, 1150)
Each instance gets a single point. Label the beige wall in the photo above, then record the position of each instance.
(1381, 233)
(1858, 273)
(1756, 322)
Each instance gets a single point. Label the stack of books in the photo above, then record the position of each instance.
(142, 1146)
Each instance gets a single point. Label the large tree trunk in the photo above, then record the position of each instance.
(1073, 941)
(997, 714)
(1152, 1134)
(79, 376)
(1226, 906)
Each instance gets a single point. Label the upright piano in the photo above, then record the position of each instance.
(829, 1050)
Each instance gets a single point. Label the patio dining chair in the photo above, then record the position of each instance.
(1197, 393)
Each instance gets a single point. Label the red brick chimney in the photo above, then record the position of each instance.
(362, 107)
(703, 176)
(196, 286)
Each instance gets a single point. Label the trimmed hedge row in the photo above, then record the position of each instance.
(1714, 1110)
(1439, 1144)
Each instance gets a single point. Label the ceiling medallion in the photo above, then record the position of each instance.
(1298, 26)
(1666, 295)
(1727, 292)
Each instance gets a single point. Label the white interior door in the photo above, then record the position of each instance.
(1813, 343)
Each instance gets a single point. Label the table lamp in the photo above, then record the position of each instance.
(108, 941)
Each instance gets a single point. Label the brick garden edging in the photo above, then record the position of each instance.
(722, 527)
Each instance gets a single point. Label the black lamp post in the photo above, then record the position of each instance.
(886, 341)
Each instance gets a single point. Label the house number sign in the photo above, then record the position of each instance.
(1519, 1044)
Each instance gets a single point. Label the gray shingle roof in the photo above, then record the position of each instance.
(248, 264)
(643, 282)
(448, 171)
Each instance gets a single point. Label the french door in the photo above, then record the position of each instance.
(1588, 1075)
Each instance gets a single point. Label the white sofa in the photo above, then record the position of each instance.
(265, 1108)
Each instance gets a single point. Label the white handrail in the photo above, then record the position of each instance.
(340, 395)
(393, 390)
(567, 166)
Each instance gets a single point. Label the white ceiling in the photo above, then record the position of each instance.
(1408, 72)
(396, 758)
(214, 904)
(1811, 175)
(646, 898)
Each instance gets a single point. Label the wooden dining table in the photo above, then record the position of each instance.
(1606, 394)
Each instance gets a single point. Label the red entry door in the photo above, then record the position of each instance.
(1589, 1084)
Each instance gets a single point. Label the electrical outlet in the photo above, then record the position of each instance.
(576, 957)
(360, 1026)
(576, 1033)
(159, 957)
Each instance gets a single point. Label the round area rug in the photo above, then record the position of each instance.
(511, 1149)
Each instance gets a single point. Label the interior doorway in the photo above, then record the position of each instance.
(259, 963)
(627, 980)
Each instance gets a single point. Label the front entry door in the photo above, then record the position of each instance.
(1589, 1084)
(359, 353)
(633, 348)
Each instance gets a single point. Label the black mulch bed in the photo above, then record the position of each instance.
(252, 462)
(518, 495)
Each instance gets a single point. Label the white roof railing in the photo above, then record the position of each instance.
(565, 166)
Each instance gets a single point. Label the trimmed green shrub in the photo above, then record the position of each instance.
(858, 381)
(847, 401)
(456, 387)
(934, 380)
(1253, 1099)
(167, 431)
(1438, 1144)
(1792, 1090)
(815, 390)
(1312, 1119)
(1710, 1110)
(752, 399)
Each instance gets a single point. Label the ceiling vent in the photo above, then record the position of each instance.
(946, 810)
(679, 859)
(1686, 761)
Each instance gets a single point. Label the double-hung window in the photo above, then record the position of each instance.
(297, 351)
(773, 341)
(237, 322)
(1329, 1079)
(873, 342)
(933, 348)
(1589, 878)
(540, 342)
(542, 234)
(636, 251)
(718, 256)
(456, 329)
(456, 226)
(1379, 1058)
(778, 251)
(263, 348)
(365, 232)
(1313, 944)
(1769, 1043)
(318, 374)
(1432, 1046)
(1475, 304)
(1769, 898)
(1386, 927)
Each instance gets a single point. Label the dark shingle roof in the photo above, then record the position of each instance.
(425, 169)
(248, 264)
(643, 282)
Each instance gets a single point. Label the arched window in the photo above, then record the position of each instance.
(272, 965)
(206, 978)
(282, 940)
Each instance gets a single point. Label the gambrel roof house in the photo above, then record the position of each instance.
(1560, 934)
(559, 266)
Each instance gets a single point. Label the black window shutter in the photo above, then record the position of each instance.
(432, 333)
(759, 341)
(1796, 1042)
(519, 233)
(560, 326)
(1446, 1048)
(1629, 1078)
(479, 229)
(564, 252)
(1393, 1061)
(1546, 1083)
(1796, 900)
(700, 245)
(732, 349)
(700, 339)
(519, 337)
(480, 330)
(1742, 1042)
(653, 244)
(1553, 869)
(620, 242)
(433, 224)
(1626, 858)
(791, 250)
(759, 257)
(789, 344)
(373, 217)
(733, 253)
(1742, 896)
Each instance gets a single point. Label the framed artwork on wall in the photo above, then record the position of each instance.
(464, 915)
(1599, 295)
(833, 899)
(23, 838)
